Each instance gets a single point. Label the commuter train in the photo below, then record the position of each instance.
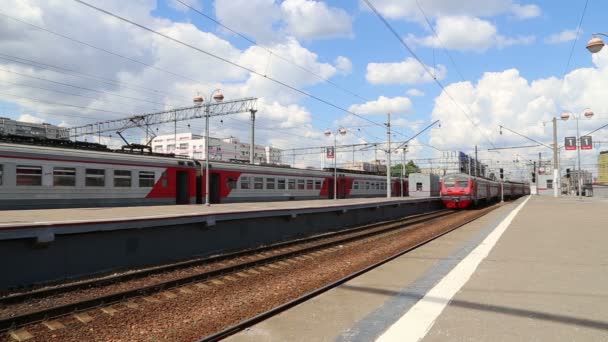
(459, 191)
(40, 176)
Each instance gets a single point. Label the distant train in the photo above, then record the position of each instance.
(460, 190)
(38, 176)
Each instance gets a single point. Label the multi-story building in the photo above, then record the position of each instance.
(229, 149)
(602, 167)
(33, 130)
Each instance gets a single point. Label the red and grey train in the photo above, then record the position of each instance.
(35, 176)
(460, 190)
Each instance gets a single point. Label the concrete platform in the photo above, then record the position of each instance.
(39, 246)
(541, 277)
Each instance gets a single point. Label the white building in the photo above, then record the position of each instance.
(230, 149)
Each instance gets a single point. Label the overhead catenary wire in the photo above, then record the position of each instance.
(425, 67)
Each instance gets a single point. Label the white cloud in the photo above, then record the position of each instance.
(561, 37)
(406, 72)
(176, 5)
(344, 65)
(309, 19)
(383, 105)
(30, 118)
(255, 18)
(525, 11)
(414, 92)
(409, 10)
(467, 33)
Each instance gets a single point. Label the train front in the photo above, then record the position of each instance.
(456, 191)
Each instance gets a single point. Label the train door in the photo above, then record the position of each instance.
(341, 187)
(181, 188)
(330, 188)
(214, 186)
(199, 188)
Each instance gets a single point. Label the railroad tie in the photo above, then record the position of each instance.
(21, 335)
(53, 325)
(109, 311)
(83, 317)
(185, 290)
(169, 294)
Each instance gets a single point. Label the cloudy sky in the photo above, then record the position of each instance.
(478, 64)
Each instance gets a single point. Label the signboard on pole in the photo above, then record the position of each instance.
(570, 143)
(330, 152)
(586, 142)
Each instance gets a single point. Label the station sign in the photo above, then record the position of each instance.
(586, 142)
(330, 152)
(570, 143)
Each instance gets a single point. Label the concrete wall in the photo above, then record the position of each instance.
(430, 185)
(26, 262)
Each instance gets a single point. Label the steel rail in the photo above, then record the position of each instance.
(272, 312)
(120, 296)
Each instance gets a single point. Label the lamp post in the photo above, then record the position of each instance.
(403, 152)
(565, 116)
(340, 131)
(198, 100)
(595, 44)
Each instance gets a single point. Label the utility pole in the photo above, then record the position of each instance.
(475, 163)
(538, 175)
(403, 170)
(388, 161)
(252, 146)
(556, 179)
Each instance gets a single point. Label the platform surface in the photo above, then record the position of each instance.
(16, 218)
(544, 279)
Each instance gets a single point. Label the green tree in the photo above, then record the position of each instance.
(410, 167)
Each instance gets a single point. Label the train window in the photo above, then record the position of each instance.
(95, 177)
(448, 183)
(463, 183)
(29, 175)
(231, 183)
(258, 183)
(1, 173)
(291, 185)
(146, 179)
(245, 183)
(64, 176)
(270, 183)
(309, 184)
(317, 185)
(163, 178)
(355, 185)
(366, 185)
(301, 183)
(122, 178)
(281, 184)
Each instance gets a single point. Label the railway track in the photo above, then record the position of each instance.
(276, 310)
(261, 256)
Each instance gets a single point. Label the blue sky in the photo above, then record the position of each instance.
(508, 53)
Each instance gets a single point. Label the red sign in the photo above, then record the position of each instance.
(330, 152)
(570, 143)
(586, 142)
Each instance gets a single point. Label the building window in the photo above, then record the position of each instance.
(245, 183)
(183, 146)
(231, 183)
(281, 184)
(158, 148)
(122, 178)
(301, 183)
(29, 175)
(291, 185)
(309, 184)
(146, 179)
(549, 183)
(170, 148)
(258, 183)
(270, 183)
(419, 186)
(318, 185)
(95, 177)
(64, 176)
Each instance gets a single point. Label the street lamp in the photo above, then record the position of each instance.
(198, 100)
(340, 131)
(595, 44)
(587, 113)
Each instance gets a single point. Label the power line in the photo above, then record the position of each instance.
(424, 66)
(64, 104)
(293, 88)
(578, 31)
(270, 51)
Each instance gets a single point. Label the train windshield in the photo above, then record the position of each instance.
(455, 181)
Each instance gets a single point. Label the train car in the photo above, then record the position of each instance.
(35, 176)
(55, 177)
(460, 191)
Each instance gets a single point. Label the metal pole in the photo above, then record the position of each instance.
(475, 163)
(252, 146)
(538, 174)
(207, 203)
(555, 165)
(335, 168)
(403, 171)
(174, 132)
(388, 162)
(578, 151)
